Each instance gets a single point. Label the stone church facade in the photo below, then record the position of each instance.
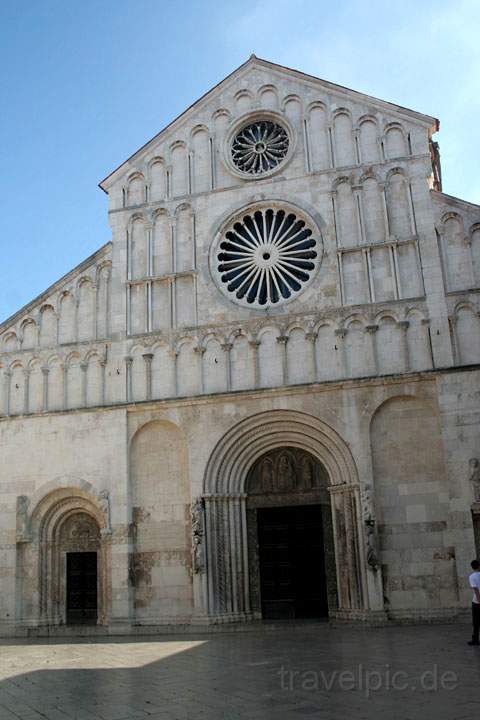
(261, 398)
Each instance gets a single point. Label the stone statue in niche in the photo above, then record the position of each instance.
(285, 474)
(372, 554)
(104, 500)
(22, 531)
(198, 536)
(266, 476)
(368, 514)
(474, 478)
(366, 497)
(308, 478)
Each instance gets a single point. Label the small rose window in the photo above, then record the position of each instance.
(259, 147)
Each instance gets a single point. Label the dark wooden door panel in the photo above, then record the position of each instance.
(81, 587)
(292, 566)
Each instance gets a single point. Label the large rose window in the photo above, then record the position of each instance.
(266, 256)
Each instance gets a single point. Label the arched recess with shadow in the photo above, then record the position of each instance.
(67, 547)
(229, 495)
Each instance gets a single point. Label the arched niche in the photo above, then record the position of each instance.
(158, 180)
(344, 145)
(135, 190)
(369, 145)
(29, 335)
(373, 211)
(318, 135)
(396, 145)
(35, 387)
(66, 320)
(201, 160)
(347, 224)
(179, 161)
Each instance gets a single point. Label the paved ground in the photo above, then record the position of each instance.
(313, 671)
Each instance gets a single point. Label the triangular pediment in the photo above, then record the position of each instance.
(258, 72)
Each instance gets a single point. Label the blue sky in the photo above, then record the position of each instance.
(84, 83)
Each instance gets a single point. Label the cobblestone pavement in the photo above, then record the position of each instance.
(311, 671)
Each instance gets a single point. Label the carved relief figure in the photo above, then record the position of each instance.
(266, 476)
(285, 474)
(22, 518)
(198, 536)
(474, 478)
(308, 479)
(104, 500)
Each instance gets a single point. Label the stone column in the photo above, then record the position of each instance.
(227, 557)
(340, 334)
(200, 351)
(45, 372)
(227, 347)
(404, 325)
(371, 331)
(254, 344)
(84, 368)
(148, 357)
(6, 389)
(128, 389)
(312, 339)
(26, 390)
(282, 341)
(103, 365)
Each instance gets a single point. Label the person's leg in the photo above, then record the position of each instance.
(475, 622)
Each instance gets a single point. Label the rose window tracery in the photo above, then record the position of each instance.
(267, 256)
(259, 147)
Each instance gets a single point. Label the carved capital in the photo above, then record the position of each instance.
(371, 329)
(227, 346)
(148, 357)
(282, 339)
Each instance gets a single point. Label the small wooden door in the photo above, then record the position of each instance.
(81, 587)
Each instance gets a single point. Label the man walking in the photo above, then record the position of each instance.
(474, 580)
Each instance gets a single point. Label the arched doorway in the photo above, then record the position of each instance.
(224, 582)
(291, 553)
(68, 549)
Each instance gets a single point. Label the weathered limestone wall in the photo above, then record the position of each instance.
(160, 494)
(84, 451)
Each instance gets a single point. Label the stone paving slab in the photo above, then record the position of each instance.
(308, 672)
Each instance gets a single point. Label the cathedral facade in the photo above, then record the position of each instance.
(261, 398)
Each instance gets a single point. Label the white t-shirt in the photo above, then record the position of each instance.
(474, 580)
